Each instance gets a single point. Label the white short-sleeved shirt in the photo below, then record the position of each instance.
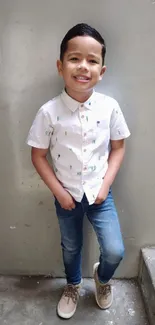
(78, 136)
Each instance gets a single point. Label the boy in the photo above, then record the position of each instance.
(85, 132)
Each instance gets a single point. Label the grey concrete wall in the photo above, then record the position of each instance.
(30, 33)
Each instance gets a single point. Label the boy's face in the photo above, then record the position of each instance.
(81, 67)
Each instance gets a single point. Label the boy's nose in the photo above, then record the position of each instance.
(83, 65)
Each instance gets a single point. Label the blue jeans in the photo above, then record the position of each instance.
(104, 220)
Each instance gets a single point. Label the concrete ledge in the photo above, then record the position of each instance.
(147, 280)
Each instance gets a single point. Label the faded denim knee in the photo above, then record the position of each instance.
(114, 253)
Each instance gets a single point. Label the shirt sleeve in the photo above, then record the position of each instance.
(41, 130)
(118, 126)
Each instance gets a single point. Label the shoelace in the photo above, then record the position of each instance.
(71, 292)
(105, 290)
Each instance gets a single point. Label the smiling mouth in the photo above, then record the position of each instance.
(82, 78)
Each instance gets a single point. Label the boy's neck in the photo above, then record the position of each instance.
(79, 96)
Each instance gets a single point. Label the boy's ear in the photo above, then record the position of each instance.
(102, 72)
(59, 67)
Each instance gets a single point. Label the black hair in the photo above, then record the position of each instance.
(82, 30)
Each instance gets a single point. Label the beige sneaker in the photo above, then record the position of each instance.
(68, 302)
(103, 293)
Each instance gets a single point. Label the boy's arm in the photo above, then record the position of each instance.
(45, 171)
(114, 162)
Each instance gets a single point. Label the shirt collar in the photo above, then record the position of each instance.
(72, 104)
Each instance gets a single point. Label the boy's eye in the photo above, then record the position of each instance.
(74, 59)
(93, 61)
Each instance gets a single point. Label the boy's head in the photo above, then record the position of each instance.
(82, 30)
(81, 62)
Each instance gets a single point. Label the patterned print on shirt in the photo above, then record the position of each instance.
(93, 168)
(48, 133)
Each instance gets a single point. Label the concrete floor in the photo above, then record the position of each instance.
(32, 301)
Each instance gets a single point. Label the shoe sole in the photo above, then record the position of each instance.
(109, 305)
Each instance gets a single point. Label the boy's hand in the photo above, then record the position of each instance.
(103, 193)
(65, 199)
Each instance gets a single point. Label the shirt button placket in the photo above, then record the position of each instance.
(82, 117)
